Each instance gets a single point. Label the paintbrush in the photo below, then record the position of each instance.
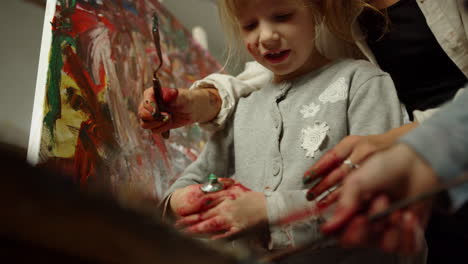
(158, 96)
(402, 204)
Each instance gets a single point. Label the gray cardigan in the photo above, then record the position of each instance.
(279, 131)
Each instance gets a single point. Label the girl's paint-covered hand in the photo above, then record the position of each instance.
(242, 209)
(179, 104)
(395, 174)
(331, 168)
(192, 199)
(185, 107)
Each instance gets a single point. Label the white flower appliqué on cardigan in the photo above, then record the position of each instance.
(337, 91)
(313, 137)
(310, 110)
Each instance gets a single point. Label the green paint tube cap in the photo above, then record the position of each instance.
(213, 185)
(212, 178)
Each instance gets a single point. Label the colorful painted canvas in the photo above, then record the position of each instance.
(97, 59)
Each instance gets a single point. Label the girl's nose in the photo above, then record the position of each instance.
(269, 38)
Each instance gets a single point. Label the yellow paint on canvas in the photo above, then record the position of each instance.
(67, 127)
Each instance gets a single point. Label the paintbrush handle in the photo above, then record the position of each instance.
(158, 97)
(421, 197)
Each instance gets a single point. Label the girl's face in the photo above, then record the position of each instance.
(279, 34)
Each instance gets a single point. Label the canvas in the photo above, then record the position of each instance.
(97, 57)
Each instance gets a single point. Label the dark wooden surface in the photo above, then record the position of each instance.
(46, 217)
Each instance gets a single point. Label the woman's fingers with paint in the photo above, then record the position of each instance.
(353, 148)
(378, 205)
(399, 173)
(356, 233)
(332, 159)
(325, 184)
(409, 228)
(330, 198)
(362, 184)
(403, 234)
(390, 239)
(327, 163)
(412, 234)
(349, 203)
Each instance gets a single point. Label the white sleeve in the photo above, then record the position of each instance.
(231, 88)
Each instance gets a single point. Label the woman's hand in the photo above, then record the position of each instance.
(242, 209)
(185, 107)
(331, 168)
(192, 199)
(353, 148)
(389, 176)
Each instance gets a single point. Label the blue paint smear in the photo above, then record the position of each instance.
(130, 7)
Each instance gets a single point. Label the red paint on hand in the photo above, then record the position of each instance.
(169, 95)
(215, 224)
(325, 165)
(302, 214)
(339, 220)
(194, 202)
(329, 181)
(242, 187)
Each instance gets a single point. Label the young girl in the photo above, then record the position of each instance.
(275, 133)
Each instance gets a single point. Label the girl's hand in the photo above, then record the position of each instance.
(243, 209)
(331, 168)
(185, 107)
(178, 102)
(191, 199)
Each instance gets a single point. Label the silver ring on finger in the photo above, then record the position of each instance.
(351, 164)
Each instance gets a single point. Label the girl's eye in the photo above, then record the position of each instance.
(249, 27)
(283, 17)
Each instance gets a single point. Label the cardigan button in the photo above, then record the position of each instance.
(276, 169)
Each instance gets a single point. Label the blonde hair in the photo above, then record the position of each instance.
(337, 16)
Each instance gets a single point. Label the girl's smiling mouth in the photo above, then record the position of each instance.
(277, 57)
